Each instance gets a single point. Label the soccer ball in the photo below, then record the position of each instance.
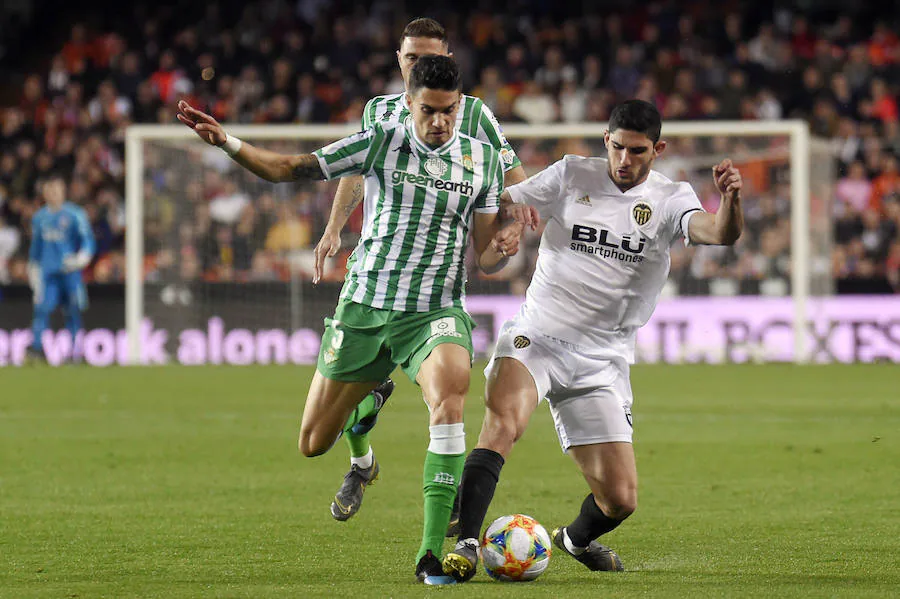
(515, 548)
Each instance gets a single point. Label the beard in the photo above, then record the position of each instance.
(626, 184)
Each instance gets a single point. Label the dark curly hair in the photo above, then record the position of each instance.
(637, 115)
(435, 72)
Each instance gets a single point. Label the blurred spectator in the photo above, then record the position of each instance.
(58, 78)
(857, 69)
(492, 89)
(768, 106)
(762, 47)
(884, 46)
(310, 109)
(128, 76)
(108, 105)
(228, 203)
(534, 105)
(555, 71)
(165, 79)
(572, 102)
(243, 242)
(289, 232)
(76, 51)
(624, 74)
(854, 191)
(887, 183)
(10, 237)
(884, 105)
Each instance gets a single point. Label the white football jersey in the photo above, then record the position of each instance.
(604, 254)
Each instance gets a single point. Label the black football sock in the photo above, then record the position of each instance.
(590, 523)
(479, 480)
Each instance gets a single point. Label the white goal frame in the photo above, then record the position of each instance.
(796, 130)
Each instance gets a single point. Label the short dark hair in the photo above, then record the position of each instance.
(637, 115)
(424, 27)
(435, 72)
(54, 176)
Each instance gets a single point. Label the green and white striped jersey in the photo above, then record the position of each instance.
(474, 119)
(417, 213)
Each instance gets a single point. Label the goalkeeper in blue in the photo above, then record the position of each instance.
(62, 245)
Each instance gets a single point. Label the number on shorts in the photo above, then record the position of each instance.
(337, 338)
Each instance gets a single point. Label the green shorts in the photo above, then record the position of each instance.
(362, 343)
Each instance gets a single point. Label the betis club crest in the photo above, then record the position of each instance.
(468, 163)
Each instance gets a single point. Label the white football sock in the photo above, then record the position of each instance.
(365, 461)
(571, 547)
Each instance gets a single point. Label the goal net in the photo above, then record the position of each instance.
(220, 262)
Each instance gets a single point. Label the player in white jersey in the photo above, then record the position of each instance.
(402, 303)
(603, 260)
(420, 37)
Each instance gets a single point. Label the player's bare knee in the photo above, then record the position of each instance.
(620, 503)
(620, 511)
(304, 445)
(446, 395)
(311, 444)
(500, 432)
(453, 384)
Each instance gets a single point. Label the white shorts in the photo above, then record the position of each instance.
(590, 398)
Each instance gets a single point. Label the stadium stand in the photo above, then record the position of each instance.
(538, 62)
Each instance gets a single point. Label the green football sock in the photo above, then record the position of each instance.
(365, 408)
(358, 444)
(440, 478)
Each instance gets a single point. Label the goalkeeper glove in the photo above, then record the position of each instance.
(36, 282)
(77, 261)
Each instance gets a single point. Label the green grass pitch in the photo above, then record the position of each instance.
(755, 481)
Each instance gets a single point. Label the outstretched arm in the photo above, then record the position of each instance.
(725, 226)
(271, 166)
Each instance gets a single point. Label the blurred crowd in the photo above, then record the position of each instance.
(315, 61)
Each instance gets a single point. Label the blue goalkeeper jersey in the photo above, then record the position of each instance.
(55, 235)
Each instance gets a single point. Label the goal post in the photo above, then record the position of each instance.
(173, 144)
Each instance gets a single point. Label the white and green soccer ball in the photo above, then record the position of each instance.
(515, 548)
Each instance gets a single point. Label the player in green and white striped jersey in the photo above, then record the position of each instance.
(419, 205)
(421, 37)
(428, 188)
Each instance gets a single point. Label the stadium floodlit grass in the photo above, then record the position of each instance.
(766, 481)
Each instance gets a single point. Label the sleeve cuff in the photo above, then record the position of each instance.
(685, 222)
(323, 166)
(514, 194)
